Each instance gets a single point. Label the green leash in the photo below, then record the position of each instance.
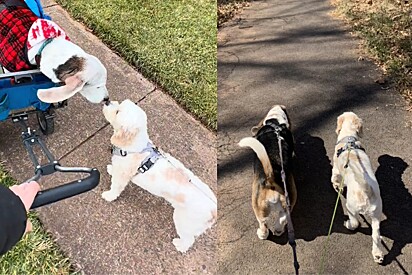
(325, 246)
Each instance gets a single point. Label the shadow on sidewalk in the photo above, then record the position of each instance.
(397, 205)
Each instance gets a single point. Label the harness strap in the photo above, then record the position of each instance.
(147, 163)
(150, 159)
(350, 144)
(291, 231)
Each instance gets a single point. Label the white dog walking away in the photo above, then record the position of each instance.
(352, 166)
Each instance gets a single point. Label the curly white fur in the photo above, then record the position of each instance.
(91, 81)
(194, 203)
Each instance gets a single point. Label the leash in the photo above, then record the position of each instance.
(325, 246)
(291, 231)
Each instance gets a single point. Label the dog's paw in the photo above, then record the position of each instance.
(109, 196)
(336, 186)
(336, 182)
(378, 258)
(181, 245)
(263, 235)
(109, 169)
(349, 225)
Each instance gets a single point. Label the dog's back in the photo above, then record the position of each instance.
(267, 162)
(268, 138)
(361, 181)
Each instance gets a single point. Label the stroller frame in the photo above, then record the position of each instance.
(18, 90)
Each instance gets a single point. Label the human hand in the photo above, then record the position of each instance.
(26, 192)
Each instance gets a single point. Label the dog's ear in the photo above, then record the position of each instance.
(73, 85)
(287, 116)
(339, 123)
(123, 137)
(358, 124)
(255, 129)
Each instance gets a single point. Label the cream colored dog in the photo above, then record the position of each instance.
(352, 167)
(195, 205)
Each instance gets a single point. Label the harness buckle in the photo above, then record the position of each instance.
(145, 166)
(142, 169)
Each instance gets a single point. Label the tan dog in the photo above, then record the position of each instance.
(268, 189)
(194, 203)
(352, 168)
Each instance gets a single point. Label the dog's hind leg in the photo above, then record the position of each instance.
(353, 221)
(261, 207)
(377, 247)
(185, 227)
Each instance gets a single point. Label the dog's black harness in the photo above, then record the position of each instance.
(350, 143)
(274, 126)
(277, 128)
(147, 163)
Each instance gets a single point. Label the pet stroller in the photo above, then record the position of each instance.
(18, 100)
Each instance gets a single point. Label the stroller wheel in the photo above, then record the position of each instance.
(46, 121)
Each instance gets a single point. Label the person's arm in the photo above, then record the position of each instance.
(13, 219)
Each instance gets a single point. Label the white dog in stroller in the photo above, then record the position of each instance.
(27, 42)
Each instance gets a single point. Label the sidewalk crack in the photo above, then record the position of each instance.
(50, 6)
(84, 141)
(146, 95)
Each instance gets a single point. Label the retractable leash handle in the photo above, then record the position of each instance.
(69, 189)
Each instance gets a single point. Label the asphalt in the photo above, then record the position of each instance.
(296, 54)
(132, 235)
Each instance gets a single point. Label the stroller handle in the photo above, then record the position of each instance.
(69, 189)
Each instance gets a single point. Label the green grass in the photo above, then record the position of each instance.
(171, 42)
(386, 29)
(36, 253)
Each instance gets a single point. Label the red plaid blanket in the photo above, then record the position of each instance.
(15, 23)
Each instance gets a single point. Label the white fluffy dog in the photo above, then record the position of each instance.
(28, 42)
(195, 205)
(64, 61)
(352, 167)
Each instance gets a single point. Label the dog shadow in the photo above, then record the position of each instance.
(316, 201)
(397, 205)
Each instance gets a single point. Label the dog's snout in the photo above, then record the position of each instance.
(106, 101)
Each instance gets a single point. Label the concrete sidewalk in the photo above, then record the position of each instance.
(132, 235)
(293, 53)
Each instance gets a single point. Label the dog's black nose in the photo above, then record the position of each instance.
(106, 101)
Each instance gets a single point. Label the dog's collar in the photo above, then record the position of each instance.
(147, 163)
(37, 57)
(350, 143)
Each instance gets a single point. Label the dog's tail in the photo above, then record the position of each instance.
(260, 152)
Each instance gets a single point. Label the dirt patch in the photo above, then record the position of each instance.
(227, 9)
